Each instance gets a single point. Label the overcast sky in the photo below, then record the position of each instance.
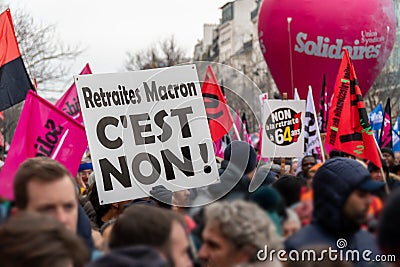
(108, 29)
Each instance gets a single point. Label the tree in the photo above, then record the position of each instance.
(46, 58)
(165, 53)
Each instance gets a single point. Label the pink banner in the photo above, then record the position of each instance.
(69, 102)
(43, 130)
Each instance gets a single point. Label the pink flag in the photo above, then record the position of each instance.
(43, 130)
(219, 148)
(237, 127)
(259, 157)
(246, 135)
(69, 102)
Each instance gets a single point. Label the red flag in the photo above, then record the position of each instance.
(385, 139)
(14, 80)
(218, 115)
(348, 125)
(69, 102)
(43, 130)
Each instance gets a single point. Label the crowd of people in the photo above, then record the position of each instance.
(57, 220)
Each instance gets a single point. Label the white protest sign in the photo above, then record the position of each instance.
(283, 128)
(146, 128)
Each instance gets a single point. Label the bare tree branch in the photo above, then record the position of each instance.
(166, 53)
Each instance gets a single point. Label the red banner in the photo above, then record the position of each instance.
(14, 80)
(219, 118)
(348, 125)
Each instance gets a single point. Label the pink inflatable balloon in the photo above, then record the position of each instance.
(312, 34)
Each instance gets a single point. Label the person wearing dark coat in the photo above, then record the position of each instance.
(388, 229)
(342, 196)
(135, 256)
(237, 170)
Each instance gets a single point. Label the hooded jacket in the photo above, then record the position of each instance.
(239, 160)
(333, 183)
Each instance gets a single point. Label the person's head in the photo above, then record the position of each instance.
(104, 212)
(84, 171)
(291, 225)
(306, 163)
(388, 156)
(388, 227)
(265, 175)
(342, 189)
(155, 227)
(234, 232)
(31, 239)
(242, 156)
(376, 173)
(105, 231)
(181, 198)
(290, 188)
(293, 167)
(397, 157)
(337, 153)
(44, 185)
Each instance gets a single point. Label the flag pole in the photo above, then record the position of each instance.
(382, 172)
(236, 132)
(317, 126)
(283, 160)
(386, 184)
(289, 20)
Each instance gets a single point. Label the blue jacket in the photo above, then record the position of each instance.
(332, 185)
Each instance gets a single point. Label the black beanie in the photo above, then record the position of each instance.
(242, 148)
(387, 150)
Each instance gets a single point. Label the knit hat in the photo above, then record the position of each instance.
(265, 174)
(333, 183)
(349, 172)
(242, 148)
(85, 166)
(266, 197)
(387, 150)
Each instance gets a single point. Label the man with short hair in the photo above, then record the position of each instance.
(388, 156)
(82, 177)
(342, 198)
(31, 239)
(306, 164)
(234, 234)
(44, 185)
(154, 227)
